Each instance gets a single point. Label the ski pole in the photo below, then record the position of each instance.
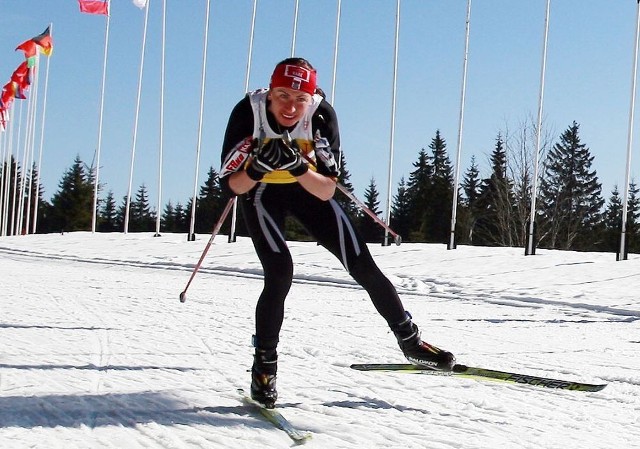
(286, 139)
(396, 238)
(216, 229)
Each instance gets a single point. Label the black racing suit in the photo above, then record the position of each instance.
(264, 209)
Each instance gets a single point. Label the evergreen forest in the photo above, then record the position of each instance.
(492, 209)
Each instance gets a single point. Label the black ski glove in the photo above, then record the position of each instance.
(264, 161)
(292, 160)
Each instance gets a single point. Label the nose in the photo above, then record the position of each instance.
(289, 106)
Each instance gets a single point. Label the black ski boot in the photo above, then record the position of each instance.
(419, 352)
(263, 377)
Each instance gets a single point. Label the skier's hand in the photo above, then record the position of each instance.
(265, 160)
(292, 160)
(326, 156)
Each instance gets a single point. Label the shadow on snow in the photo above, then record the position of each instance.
(127, 409)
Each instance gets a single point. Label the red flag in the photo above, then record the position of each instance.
(3, 119)
(21, 76)
(30, 50)
(7, 95)
(44, 41)
(94, 7)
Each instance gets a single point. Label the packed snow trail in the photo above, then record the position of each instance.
(98, 351)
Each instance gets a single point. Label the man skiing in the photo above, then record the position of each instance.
(281, 156)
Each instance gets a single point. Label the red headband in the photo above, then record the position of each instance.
(294, 77)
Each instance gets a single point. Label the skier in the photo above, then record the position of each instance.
(281, 155)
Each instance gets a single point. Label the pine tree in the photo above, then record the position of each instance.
(181, 217)
(495, 205)
(169, 219)
(141, 218)
(612, 221)
(468, 210)
(570, 195)
(437, 217)
(72, 205)
(209, 204)
(417, 192)
(370, 230)
(471, 183)
(400, 220)
(108, 217)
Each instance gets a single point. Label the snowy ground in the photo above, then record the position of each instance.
(97, 351)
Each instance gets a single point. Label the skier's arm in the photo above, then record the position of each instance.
(318, 185)
(327, 148)
(236, 148)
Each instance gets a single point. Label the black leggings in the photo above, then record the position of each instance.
(264, 209)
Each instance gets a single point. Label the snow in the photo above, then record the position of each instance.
(98, 352)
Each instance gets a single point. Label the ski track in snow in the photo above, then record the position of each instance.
(99, 353)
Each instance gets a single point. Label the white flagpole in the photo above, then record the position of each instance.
(295, 28)
(162, 78)
(454, 204)
(40, 151)
(335, 54)
(137, 115)
(26, 154)
(7, 181)
(234, 214)
(31, 132)
(192, 226)
(622, 253)
(14, 213)
(393, 122)
(96, 181)
(25, 164)
(530, 250)
(5, 174)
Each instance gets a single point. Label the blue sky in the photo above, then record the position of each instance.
(588, 80)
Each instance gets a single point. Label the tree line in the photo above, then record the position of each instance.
(494, 210)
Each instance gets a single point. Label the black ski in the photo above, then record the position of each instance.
(277, 419)
(482, 373)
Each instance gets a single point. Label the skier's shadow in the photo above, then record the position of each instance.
(127, 410)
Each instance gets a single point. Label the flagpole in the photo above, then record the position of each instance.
(531, 247)
(137, 115)
(295, 28)
(7, 181)
(160, 151)
(393, 123)
(26, 157)
(5, 171)
(40, 151)
(192, 226)
(454, 204)
(234, 213)
(14, 215)
(104, 76)
(622, 251)
(13, 136)
(335, 55)
(32, 141)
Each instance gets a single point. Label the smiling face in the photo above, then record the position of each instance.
(287, 105)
